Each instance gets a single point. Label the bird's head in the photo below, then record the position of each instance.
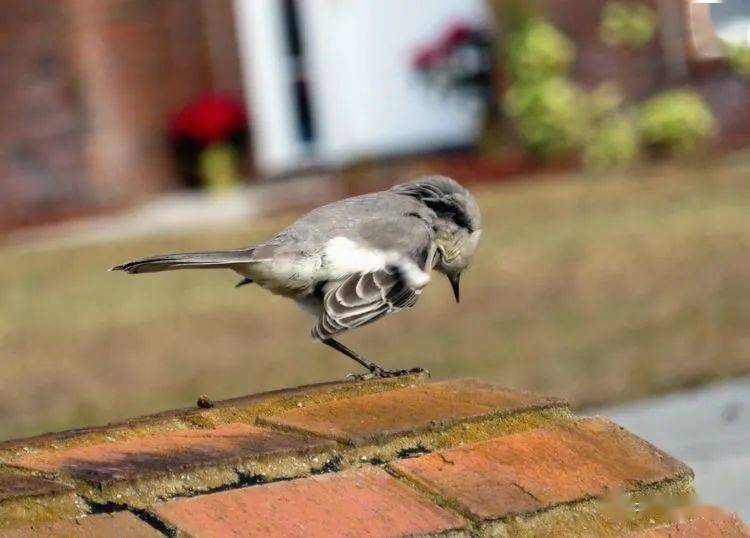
(458, 226)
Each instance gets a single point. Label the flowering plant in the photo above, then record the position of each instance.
(208, 135)
(459, 59)
(210, 118)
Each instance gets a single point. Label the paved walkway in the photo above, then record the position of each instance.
(707, 428)
(180, 211)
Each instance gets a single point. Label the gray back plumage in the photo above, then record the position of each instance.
(382, 220)
(446, 197)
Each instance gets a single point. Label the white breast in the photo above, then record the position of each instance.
(343, 257)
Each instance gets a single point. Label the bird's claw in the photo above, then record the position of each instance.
(381, 373)
(361, 377)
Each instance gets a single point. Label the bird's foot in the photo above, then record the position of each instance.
(381, 373)
(361, 377)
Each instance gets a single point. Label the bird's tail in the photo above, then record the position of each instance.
(188, 260)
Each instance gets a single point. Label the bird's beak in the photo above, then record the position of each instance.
(455, 281)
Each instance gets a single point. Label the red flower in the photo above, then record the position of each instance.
(426, 58)
(456, 34)
(210, 118)
(431, 55)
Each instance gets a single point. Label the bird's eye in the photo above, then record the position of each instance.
(461, 220)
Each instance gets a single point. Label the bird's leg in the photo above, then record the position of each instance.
(375, 369)
(341, 348)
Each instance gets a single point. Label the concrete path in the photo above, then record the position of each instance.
(180, 211)
(707, 428)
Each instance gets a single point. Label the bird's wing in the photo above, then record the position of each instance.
(363, 297)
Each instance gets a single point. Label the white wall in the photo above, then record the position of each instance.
(266, 76)
(367, 101)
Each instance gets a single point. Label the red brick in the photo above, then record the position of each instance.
(538, 469)
(26, 498)
(167, 452)
(251, 403)
(371, 418)
(363, 502)
(699, 522)
(121, 524)
(15, 486)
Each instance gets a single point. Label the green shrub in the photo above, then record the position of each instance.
(613, 144)
(627, 23)
(612, 140)
(604, 100)
(675, 122)
(536, 50)
(553, 116)
(739, 58)
(548, 115)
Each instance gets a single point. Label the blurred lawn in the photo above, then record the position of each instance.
(593, 290)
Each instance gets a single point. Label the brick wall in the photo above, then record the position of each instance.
(41, 114)
(638, 71)
(86, 90)
(399, 457)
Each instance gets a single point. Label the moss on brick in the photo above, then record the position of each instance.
(87, 437)
(459, 434)
(144, 491)
(40, 508)
(249, 412)
(631, 511)
(245, 410)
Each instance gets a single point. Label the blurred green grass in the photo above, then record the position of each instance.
(593, 290)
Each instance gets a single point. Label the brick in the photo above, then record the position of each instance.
(362, 502)
(14, 486)
(170, 451)
(699, 522)
(120, 524)
(27, 498)
(241, 409)
(372, 418)
(538, 469)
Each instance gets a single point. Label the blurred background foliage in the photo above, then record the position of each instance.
(627, 23)
(556, 117)
(675, 123)
(739, 58)
(536, 51)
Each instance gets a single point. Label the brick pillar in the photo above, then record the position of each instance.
(41, 117)
(123, 62)
(86, 90)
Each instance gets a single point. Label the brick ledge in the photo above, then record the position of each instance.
(409, 456)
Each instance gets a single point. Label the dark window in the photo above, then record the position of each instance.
(291, 27)
(295, 46)
(304, 114)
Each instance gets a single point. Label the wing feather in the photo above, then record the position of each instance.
(363, 298)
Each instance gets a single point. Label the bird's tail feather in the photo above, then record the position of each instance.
(187, 260)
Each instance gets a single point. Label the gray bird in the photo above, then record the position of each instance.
(354, 261)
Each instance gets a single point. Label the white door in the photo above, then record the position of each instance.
(347, 89)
